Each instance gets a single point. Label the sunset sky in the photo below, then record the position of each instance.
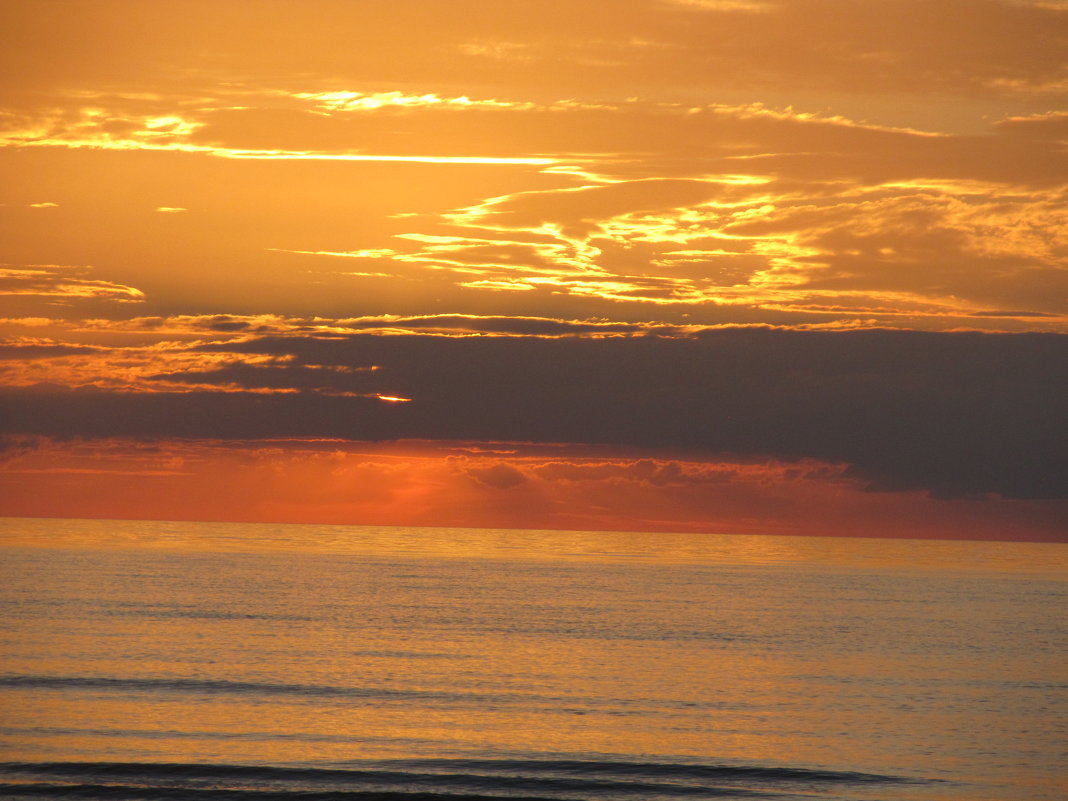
(739, 266)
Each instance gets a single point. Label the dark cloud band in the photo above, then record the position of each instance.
(957, 414)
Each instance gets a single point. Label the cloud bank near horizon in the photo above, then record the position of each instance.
(961, 415)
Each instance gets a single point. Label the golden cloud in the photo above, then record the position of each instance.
(60, 282)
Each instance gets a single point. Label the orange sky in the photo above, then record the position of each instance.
(810, 252)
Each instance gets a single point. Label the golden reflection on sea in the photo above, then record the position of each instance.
(268, 645)
(435, 542)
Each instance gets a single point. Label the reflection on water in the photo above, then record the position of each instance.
(378, 656)
(482, 543)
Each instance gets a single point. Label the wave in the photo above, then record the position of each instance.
(653, 769)
(414, 779)
(204, 686)
(576, 704)
(17, 792)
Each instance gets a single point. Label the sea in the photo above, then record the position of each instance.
(234, 662)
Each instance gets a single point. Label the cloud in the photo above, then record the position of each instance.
(499, 476)
(224, 133)
(235, 326)
(14, 446)
(737, 207)
(235, 374)
(916, 248)
(962, 414)
(727, 5)
(493, 486)
(159, 366)
(652, 472)
(364, 101)
(979, 47)
(1051, 126)
(654, 138)
(504, 325)
(740, 212)
(63, 283)
(36, 348)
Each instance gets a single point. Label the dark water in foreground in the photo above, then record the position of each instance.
(226, 661)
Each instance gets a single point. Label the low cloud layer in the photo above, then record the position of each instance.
(957, 415)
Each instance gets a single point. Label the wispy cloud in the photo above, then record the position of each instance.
(62, 283)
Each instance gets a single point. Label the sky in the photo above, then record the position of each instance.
(710, 266)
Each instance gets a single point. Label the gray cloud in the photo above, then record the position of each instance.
(960, 414)
(499, 476)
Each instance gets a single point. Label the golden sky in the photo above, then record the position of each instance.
(708, 265)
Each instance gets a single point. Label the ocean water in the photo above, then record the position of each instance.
(234, 661)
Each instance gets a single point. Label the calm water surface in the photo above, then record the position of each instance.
(234, 661)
